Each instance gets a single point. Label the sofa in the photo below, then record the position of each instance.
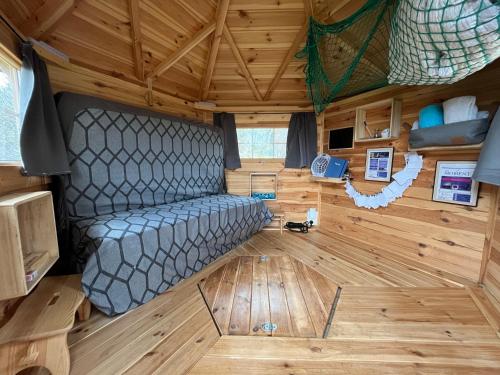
(145, 200)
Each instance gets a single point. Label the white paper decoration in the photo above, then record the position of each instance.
(402, 181)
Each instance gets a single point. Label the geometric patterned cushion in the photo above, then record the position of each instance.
(123, 160)
(129, 257)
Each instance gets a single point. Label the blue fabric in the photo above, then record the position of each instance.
(264, 195)
(431, 116)
(129, 257)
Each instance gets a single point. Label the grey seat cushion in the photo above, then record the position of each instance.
(129, 257)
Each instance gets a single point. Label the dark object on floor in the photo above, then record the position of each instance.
(299, 227)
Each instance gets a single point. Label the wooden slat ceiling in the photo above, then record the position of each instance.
(231, 52)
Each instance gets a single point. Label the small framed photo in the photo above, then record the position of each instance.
(379, 164)
(454, 184)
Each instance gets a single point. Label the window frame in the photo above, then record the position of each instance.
(15, 62)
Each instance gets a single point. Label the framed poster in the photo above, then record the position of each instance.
(454, 184)
(379, 164)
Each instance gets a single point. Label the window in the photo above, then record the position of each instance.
(9, 112)
(265, 143)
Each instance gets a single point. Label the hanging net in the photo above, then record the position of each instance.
(348, 57)
(407, 42)
(442, 41)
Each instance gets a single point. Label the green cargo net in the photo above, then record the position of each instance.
(442, 41)
(350, 56)
(406, 42)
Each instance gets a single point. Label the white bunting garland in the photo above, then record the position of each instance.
(402, 181)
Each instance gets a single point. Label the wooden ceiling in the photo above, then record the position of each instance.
(231, 52)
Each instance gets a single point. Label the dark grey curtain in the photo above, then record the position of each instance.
(488, 166)
(42, 144)
(301, 142)
(226, 122)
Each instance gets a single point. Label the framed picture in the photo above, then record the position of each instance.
(454, 184)
(379, 164)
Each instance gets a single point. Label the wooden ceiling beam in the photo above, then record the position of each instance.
(241, 62)
(299, 38)
(136, 35)
(222, 9)
(183, 51)
(309, 8)
(48, 17)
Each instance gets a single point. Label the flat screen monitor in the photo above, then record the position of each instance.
(341, 138)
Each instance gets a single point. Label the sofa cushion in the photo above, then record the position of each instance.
(129, 257)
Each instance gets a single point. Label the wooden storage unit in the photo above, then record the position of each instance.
(384, 114)
(263, 183)
(29, 241)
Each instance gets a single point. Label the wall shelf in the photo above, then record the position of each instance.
(329, 180)
(447, 148)
(264, 183)
(29, 241)
(384, 114)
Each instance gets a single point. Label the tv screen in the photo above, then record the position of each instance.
(341, 138)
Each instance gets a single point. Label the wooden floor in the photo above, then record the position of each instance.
(269, 296)
(393, 317)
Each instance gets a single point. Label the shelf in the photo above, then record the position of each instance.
(29, 241)
(448, 148)
(41, 273)
(328, 180)
(366, 140)
(384, 114)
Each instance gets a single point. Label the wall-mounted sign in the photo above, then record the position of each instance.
(379, 164)
(454, 184)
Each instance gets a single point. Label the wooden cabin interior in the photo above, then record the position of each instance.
(193, 270)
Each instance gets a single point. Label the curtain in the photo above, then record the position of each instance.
(488, 166)
(43, 150)
(227, 123)
(301, 142)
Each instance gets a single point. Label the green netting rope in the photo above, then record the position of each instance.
(350, 56)
(442, 41)
(409, 42)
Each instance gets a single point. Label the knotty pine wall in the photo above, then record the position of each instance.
(296, 192)
(444, 236)
(11, 179)
(491, 277)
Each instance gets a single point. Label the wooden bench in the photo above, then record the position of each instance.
(36, 335)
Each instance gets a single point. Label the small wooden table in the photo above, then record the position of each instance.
(279, 217)
(37, 333)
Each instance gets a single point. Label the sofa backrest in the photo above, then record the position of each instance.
(122, 157)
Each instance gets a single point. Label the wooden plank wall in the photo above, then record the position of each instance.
(296, 192)
(445, 236)
(491, 279)
(11, 179)
(70, 77)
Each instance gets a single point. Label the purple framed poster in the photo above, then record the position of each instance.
(453, 183)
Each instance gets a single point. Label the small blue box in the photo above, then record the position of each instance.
(336, 168)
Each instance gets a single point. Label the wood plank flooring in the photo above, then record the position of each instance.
(269, 296)
(394, 316)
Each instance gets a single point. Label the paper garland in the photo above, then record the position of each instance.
(402, 181)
